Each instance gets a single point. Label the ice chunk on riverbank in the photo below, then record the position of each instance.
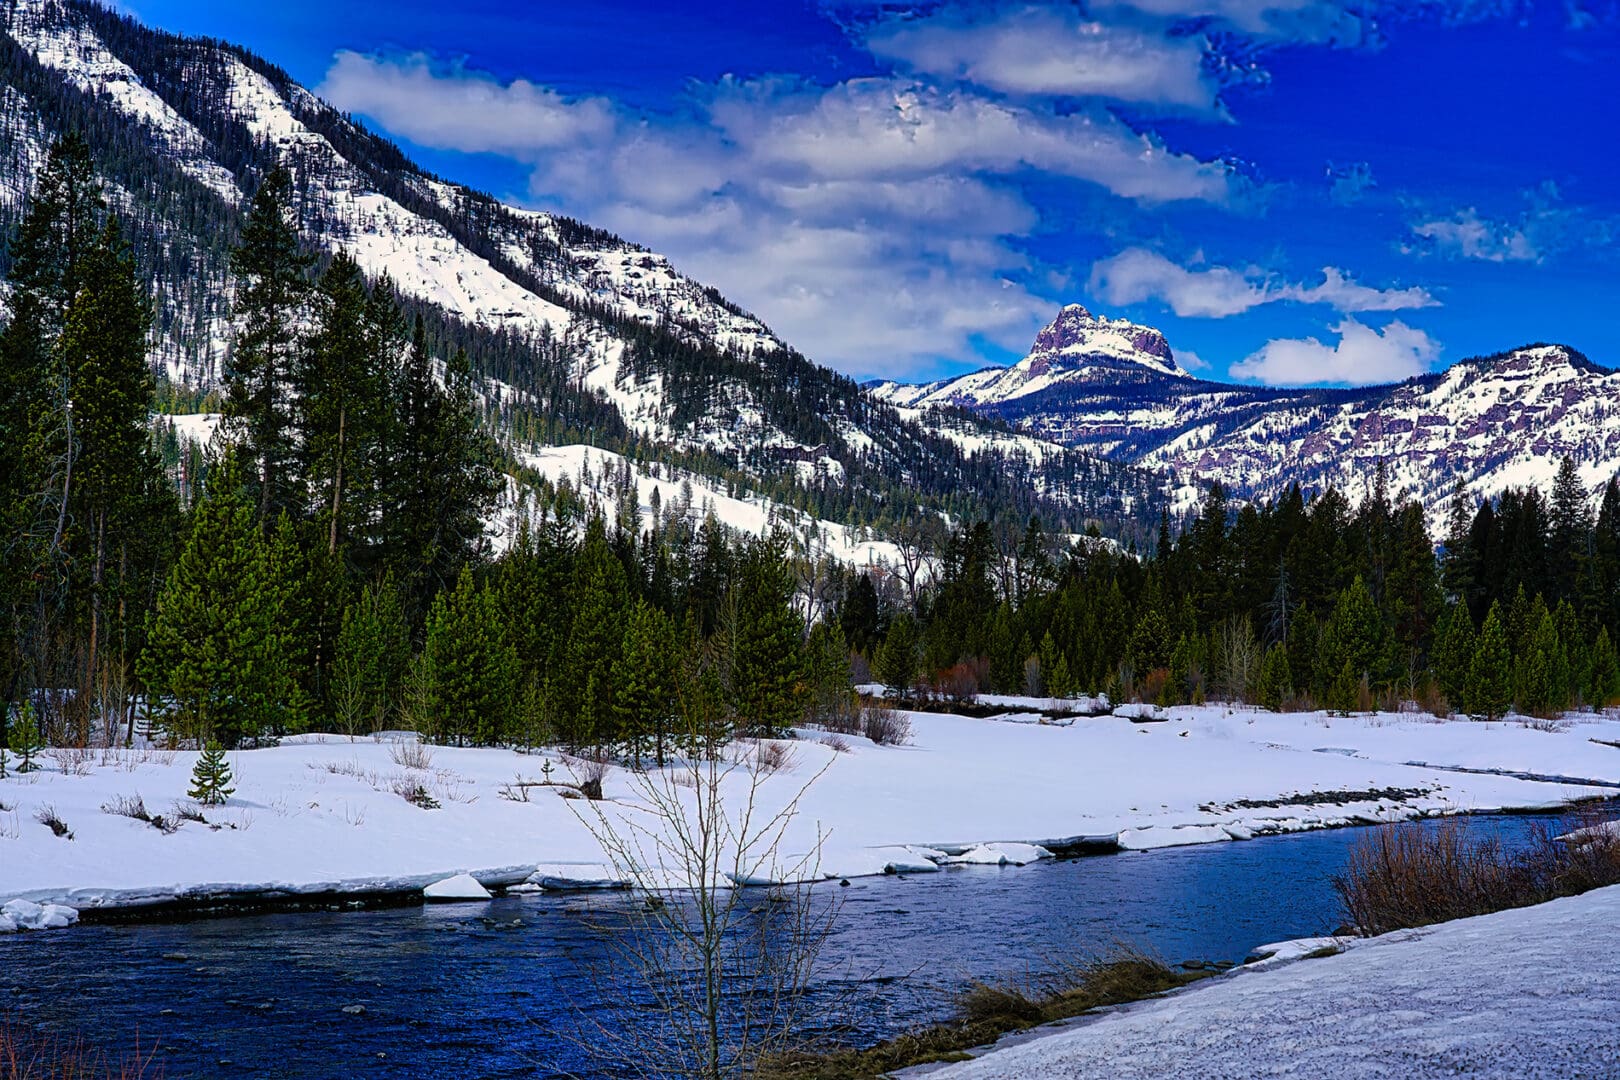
(914, 860)
(27, 915)
(460, 887)
(1281, 952)
(1003, 854)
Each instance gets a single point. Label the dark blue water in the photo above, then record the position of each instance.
(500, 989)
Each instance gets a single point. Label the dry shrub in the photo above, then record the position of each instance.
(1154, 686)
(413, 791)
(961, 682)
(885, 726)
(842, 716)
(836, 743)
(189, 811)
(589, 772)
(1407, 875)
(27, 1057)
(48, 817)
(72, 760)
(133, 806)
(130, 806)
(411, 755)
(771, 755)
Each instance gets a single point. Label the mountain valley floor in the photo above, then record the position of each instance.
(326, 814)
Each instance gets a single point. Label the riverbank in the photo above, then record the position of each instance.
(1527, 992)
(325, 820)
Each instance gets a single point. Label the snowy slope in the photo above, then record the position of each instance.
(1531, 992)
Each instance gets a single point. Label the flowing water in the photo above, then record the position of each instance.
(507, 988)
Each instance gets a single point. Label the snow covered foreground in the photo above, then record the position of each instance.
(324, 814)
(1526, 993)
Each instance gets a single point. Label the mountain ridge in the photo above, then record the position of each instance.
(1497, 421)
(578, 335)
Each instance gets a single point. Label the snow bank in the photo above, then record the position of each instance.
(27, 915)
(1528, 992)
(321, 815)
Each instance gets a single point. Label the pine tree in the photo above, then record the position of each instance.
(859, 615)
(1603, 671)
(827, 673)
(211, 781)
(439, 480)
(1459, 563)
(37, 483)
(1452, 659)
(372, 655)
(644, 697)
(1342, 689)
(1490, 692)
(1541, 676)
(215, 641)
(344, 412)
(272, 300)
(25, 740)
(468, 669)
(1276, 684)
(1604, 603)
(103, 353)
(583, 680)
(767, 675)
(1571, 520)
(1354, 635)
(895, 664)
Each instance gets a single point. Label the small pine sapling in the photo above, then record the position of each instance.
(211, 780)
(25, 742)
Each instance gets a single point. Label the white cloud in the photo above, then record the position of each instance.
(1339, 22)
(457, 109)
(1136, 275)
(1467, 235)
(885, 128)
(1052, 51)
(1188, 360)
(872, 223)
(1348, 183)
(1343, 294)
(1362, 355)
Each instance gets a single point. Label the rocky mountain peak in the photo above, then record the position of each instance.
(1077, 333)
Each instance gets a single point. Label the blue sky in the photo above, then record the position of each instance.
(1295, 191)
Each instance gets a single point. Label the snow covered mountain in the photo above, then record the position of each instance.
(1077, 349)
(1113, 388)
(579, 336)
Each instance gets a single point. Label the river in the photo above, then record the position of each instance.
(498, 989)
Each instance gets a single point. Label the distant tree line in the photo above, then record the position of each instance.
(1293, 603)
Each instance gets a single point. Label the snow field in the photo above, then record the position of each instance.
(324, 814)
(1529, 992)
